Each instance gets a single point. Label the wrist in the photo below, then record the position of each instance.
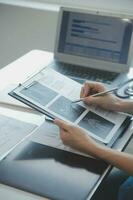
(102, 152)
(98, 151)
(94, 149)
(125, 106)
(119, 105)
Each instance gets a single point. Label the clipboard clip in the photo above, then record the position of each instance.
(27, 86)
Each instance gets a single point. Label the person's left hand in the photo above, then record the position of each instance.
(76, 137)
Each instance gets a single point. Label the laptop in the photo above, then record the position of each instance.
(92, 45)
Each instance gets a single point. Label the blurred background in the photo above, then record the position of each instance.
(31, 24)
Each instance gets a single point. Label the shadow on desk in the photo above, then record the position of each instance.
(51, 172)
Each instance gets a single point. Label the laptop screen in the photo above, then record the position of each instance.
(95, 36)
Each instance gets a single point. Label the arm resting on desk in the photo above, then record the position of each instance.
(121, 160)
(76, 138)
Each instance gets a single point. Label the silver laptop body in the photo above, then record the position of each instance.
(93, 46)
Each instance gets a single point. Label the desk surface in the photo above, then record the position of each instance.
(15, 73)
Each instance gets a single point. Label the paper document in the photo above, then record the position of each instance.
(15, 126)
(48, 134)
(53, 93)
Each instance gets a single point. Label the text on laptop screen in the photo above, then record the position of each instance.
(94, 36)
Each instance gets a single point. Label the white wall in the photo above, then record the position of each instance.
(23, 29)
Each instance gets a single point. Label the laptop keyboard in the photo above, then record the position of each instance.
(81, 74)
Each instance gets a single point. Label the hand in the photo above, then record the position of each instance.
(76, 137)
(107, 101)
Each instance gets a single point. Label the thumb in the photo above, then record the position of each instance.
(61, 124)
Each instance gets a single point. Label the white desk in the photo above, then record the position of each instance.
(13, 74)
(17, 72)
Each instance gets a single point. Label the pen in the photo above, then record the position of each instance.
(96, 95)
(49, 119)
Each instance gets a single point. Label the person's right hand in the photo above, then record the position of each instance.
(108, 101)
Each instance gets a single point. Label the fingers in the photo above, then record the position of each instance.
(62, 124)
(94, 101)
(64, 130)
(87, 88)
(63, 135)
(91, 88)
(82, 92)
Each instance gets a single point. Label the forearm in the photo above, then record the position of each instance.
(118, 159)
(125, 106)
